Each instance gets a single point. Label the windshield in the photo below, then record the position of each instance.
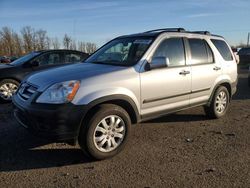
(25, 58)
(123, 51)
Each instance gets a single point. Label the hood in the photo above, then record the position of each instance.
(80, 71)
(4, 66)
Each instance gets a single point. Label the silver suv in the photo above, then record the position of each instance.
(130, 79)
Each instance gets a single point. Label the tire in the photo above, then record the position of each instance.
(97, 128)
(7, 88)
(219, 104)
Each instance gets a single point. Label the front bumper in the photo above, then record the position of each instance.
(55, 122)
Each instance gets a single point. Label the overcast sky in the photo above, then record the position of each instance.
(101, 20)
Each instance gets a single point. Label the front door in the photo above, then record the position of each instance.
(166, 89)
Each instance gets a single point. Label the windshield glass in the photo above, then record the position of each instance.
(123, 51)
(25, 58)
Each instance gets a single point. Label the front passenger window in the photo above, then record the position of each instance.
(173, 49)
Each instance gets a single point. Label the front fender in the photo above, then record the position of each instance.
(108, 93)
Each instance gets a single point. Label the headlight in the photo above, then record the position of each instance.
(60, 93)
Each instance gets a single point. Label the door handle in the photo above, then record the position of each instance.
(217, 68)
(184, 72)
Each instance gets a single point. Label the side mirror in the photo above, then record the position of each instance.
(158, 62)
(34, 63)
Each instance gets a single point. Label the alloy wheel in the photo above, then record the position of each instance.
(7, 90)
(221, 102)
(109, 133)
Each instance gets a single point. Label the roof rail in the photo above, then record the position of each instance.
(167, 29)
(202, 32)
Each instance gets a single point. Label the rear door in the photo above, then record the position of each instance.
(205, 70)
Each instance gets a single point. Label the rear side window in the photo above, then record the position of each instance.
(173, 49)
(72, 57)
(49, 58)
(200, 51)
(222, 47)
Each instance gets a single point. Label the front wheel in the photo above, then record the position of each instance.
(7, 88)
(106, 133)
(219, 104)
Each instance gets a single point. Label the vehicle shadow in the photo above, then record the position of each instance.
(179, 118)
(19, 150)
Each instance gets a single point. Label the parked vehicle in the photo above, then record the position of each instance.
(244, 54)
(11, 74)
(5, 60)
(13, 58)
(131, 79)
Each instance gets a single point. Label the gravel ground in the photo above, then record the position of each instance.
(181, 150)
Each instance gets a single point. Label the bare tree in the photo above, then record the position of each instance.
(40, 37)
(82, 46)
(18, 44)
(73, 45)
(90, 47)
(55, 43)
(28, 35)
(66, 41)
(29, 39)
(7, 39)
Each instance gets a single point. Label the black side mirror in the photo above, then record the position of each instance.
(158, 62)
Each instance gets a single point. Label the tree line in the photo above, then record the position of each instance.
(29, 39)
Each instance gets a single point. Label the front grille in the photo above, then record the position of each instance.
(26, 91)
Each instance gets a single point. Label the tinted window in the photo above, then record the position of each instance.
(49, 59)
(222, 47)
(25, 58)
(244, 51)
(72, 57)
(201, 53)
(173, 49)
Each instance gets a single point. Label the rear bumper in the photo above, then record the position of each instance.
(54, 122)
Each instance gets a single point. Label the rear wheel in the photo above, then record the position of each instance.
(7, 88)
(106, 133)
(219, 104)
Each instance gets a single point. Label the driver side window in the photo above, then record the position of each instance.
(173, 49)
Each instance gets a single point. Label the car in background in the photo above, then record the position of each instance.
(244, 54)
(13, 58)
(12, 74)
(5, 59)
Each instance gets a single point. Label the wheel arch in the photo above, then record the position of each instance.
(121, 100)
(10, 78)
(222, 83)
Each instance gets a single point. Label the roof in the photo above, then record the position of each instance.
(157, 32)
